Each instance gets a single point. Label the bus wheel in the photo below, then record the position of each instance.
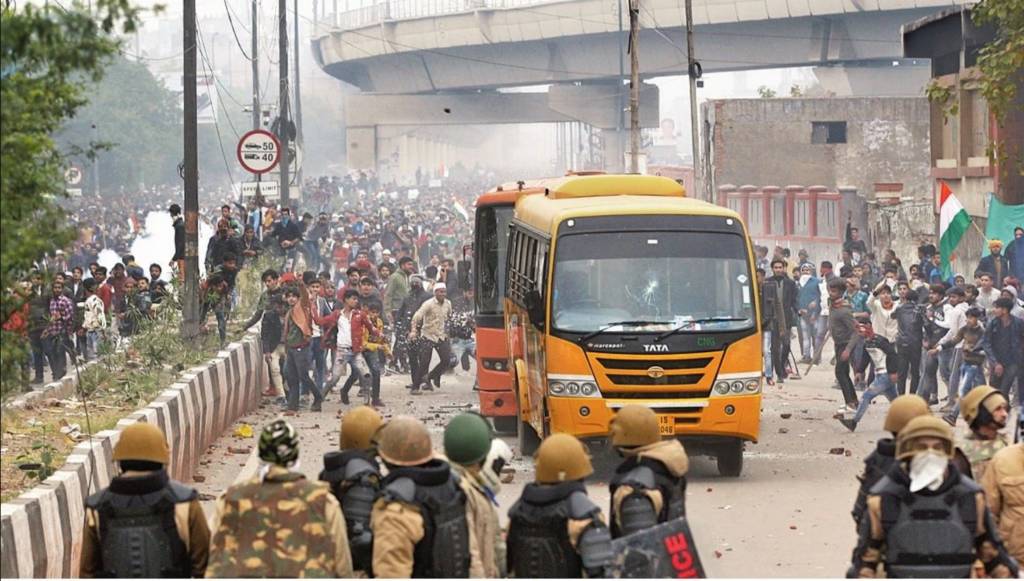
(504, 424)
(528, 439)
(730, 459)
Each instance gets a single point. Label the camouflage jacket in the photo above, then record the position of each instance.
(280, 526)
(979, 452)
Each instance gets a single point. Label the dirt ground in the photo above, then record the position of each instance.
(788, 515)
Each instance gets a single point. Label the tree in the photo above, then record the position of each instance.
(765, 93)
(48, 54)
(138, 121)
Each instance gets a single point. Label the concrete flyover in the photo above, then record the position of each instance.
(468, 49)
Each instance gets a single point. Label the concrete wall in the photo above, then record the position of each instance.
(768, 141)
(41, 530)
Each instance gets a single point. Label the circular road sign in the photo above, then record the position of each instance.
(259, 151)
(73, 176)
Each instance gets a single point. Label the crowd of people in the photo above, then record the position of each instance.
(897, 329)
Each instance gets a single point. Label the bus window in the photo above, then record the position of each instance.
(666, 277)
(492, 242)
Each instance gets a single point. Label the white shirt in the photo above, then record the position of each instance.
(94, 318)
(881, 319)
(955, 318)
(345, 331)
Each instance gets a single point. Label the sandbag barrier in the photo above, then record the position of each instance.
(41, 530)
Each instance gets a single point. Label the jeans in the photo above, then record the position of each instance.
(766, 353)
(462, 348)
(843, 376)
(312, 254)
(38, 347)
(949, 367)
(882, 385)
(319, 362)
(910, 366)
(1005, 381)
(970, 377)
(358, 370)
(929, 386)
(56, 347)
(297, 368)
(808, 336)
(444, 352)
(780, 352)
(222, 325)
(92, 344)
(820, 332)
(274, 365)
(375, 363)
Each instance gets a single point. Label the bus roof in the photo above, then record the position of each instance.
(582, 185)
(544, 213)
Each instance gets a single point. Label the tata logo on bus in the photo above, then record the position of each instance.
(656, 348)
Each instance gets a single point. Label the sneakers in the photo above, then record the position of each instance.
(850, 424)
(377, 403)
(769, 381)
(344, 398)
(317, 406)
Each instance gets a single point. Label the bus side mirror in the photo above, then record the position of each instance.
(463, 269)
(535, 308)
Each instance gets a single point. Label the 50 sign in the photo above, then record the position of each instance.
(259, 151)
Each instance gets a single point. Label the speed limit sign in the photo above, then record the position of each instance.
(259, 151)
(73, 176)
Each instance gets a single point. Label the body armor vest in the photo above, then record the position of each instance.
(929, 535)
(538, 536)
(354, 478)
(138, 537)
(646, 474)
(878, 463)
(435, 490)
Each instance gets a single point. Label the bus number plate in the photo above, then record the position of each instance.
(666, 425)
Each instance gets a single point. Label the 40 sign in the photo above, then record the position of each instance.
(259, 151)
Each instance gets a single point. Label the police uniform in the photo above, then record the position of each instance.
(144, 525)
(555, 530)
(1004, 488)
(649, 487)
(354, 479)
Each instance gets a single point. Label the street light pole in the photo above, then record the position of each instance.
(95, 161)
(255, 68)
(190, 295)
(284, 132)
(298, 98)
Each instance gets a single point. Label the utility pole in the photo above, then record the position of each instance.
(95, 161)
(634, 87)
(621, 109)
(190, 295)
(298, 99)
(282, 120)
(256, 113)
(692, 74)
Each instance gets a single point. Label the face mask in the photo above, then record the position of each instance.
(927, 470)
(804, 278)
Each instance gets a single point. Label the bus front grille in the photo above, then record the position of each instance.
(643, 364)
(688, 379)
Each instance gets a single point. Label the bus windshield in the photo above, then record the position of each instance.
(492, 242)
(658, 280)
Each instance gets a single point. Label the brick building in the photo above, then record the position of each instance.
(798, 168)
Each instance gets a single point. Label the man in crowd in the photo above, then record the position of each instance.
(995, 264)
(1004, 335)
(780, 315)
(430, 321)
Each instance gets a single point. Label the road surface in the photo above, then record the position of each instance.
(788, 515)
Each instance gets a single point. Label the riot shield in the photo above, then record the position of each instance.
(664, 551)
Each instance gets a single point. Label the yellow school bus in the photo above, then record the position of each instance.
(621, 290)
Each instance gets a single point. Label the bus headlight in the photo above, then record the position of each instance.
(737, 384)
(495, 364)
(573, 386)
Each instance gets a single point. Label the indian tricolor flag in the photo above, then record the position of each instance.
(953, 222)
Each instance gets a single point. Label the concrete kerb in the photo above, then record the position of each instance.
(41, 530)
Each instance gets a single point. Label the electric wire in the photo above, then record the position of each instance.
(234, 33)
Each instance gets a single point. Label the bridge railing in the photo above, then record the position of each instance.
(379, 12)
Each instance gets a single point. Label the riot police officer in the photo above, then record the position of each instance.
(354, 477)
(555, 530)
(144, 524)
(649, 487)
(986, 412)
(924, 518)
(468, 443)
(421, 520)
(878, 463)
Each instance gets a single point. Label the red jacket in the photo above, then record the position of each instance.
(359, 322)
(18, 321)
(106, 293)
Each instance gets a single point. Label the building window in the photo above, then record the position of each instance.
(828, 131)
(828, 218)
(755, 221)
(778, 216)
(736, 205)
(801, 217)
